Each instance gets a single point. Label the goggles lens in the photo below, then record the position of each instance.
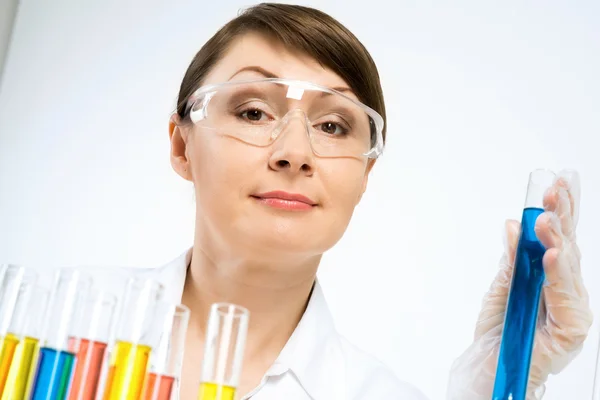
(258, 112)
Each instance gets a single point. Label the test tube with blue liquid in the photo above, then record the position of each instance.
(522, 308)
(55, 362)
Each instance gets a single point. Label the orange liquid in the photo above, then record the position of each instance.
(158, 387)
(90, 358)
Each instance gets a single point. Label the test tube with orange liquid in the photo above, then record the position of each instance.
(26, 327)
(16, 283)
(131, 351)
(168, 335)
(90, 344)
(223, 352)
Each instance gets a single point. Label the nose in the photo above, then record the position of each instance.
(292, 151)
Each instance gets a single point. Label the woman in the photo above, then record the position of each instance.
(279, 162)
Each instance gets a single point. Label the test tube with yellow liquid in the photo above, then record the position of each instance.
(168, 333)
(131, 351)
(16, 283)
(55, 363)
(90, 343)
(27, 325)
(223, 352)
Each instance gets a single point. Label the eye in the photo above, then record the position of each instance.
(254, 115)
(332, 128)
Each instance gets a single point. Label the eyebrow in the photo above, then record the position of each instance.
(269, 74)
(255, 68)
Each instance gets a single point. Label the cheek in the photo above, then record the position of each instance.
(221, 170)
(344, 183)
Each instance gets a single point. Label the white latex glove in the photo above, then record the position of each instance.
(564, 318)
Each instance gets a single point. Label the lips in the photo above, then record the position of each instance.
(285, 200)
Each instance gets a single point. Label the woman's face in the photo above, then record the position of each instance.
(231, 176)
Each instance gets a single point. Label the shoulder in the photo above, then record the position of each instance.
(171, 275)
(113, 279)
(369, 378)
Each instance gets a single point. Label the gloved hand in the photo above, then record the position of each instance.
(564, 318)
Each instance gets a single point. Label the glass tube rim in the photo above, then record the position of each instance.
(223, 309)
(544, 172)
(29, 274)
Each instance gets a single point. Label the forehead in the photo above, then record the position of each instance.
(256, 50)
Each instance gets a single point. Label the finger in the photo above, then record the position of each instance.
(568, 314)
(558, 200)
(563, 198)
(557, 296)
(548, 230)
(559, 283)
(571, 181)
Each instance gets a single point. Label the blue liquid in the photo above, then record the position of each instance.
(521, 313)
(53, 375)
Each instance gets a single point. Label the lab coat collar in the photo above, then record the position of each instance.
(313, 353)
(172, 276)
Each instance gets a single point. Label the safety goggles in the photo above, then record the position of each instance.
(258, 112)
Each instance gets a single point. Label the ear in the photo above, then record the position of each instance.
(365, 181)
(178, 137)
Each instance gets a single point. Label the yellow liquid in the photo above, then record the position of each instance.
(21, 370)
(8, 345)
(127, 371)
(212, 391)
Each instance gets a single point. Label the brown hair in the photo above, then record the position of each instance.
(306, 29)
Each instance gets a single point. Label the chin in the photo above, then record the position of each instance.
(283, 243)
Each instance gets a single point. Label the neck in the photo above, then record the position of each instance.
(275, 293)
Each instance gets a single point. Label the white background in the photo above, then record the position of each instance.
(478, 94)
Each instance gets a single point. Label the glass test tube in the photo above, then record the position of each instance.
(596, 388)
(223, 352)
(55, 362)
(27, 326)
(17, 283)
(90, 343)
(168, 341)
(130, 355)
(524, 297)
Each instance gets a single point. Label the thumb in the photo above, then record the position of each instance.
(494, 301)
(512, 230)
